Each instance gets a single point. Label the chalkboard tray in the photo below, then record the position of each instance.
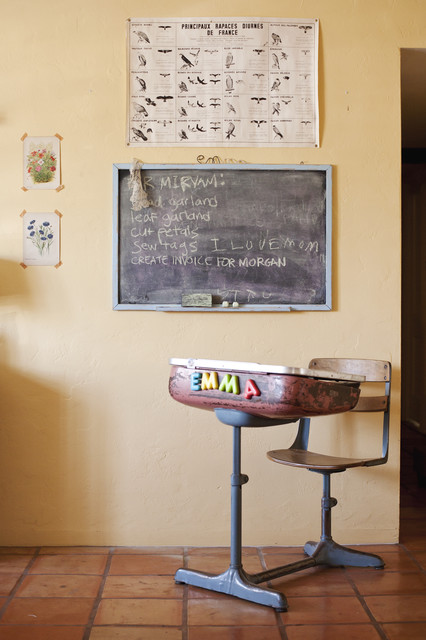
(222, 237)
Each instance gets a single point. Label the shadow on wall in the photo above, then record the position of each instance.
(52, 467)
(32, 473)
(13, 284)
(46, 449)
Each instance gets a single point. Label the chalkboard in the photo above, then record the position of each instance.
(224, 238)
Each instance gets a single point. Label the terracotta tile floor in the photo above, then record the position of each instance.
(86, 593)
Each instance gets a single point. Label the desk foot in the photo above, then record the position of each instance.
(332, 554)
(326, 552)
(234, 582)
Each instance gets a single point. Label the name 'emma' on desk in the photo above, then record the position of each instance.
(229, 384)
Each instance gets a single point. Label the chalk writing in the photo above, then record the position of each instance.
(242, 235)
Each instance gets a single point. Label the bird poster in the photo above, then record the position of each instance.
(222, 82)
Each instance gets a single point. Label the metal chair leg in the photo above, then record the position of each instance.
(328, 552)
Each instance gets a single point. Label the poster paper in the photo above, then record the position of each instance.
(41, 162)
(223, 82)
(41, 239)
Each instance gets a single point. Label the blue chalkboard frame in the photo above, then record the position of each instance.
(326, 305)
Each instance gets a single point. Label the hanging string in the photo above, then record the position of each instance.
(139, 197)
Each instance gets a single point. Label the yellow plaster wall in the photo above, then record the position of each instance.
(93, 451)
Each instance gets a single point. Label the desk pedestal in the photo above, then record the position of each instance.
(235, 581)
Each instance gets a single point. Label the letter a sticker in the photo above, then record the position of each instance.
(251, 389)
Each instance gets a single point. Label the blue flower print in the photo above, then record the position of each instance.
(41, 236)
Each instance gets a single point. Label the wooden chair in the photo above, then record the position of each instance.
(326, 551)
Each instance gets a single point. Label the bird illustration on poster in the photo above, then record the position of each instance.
(256, 70)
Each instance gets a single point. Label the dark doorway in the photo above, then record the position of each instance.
(413, 339)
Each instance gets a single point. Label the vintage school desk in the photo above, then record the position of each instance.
(245, 394)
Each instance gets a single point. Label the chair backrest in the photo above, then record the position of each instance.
(375, 371)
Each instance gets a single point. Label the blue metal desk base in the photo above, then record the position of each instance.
(235, 581)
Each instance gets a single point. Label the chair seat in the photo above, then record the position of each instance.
(315, 461)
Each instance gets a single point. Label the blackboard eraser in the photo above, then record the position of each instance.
(197, 300)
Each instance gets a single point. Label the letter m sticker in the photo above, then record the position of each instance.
(230, 384)
(209, 381)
